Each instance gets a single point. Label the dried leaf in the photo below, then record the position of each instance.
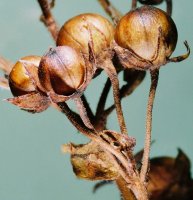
(33, 102)
(90, 162)
(170, 179)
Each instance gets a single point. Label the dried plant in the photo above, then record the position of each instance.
(86, 45)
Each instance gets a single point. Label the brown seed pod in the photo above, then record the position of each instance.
(148, 37)
(82, 29)
(23, 85)
(149, 33)
(62, 73)
(19, 80)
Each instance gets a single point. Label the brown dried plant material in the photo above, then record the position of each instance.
(91, 162)
(170, 178)
(24, 87)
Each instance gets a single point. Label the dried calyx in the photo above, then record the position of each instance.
(148, 37)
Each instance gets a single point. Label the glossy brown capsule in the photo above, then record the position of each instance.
(78, 31)
(19, 81)
(149, 33)
(62, 71)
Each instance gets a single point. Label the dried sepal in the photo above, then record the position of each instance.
(34, 102)
(90, 161)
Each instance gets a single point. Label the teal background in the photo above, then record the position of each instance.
(32, 166)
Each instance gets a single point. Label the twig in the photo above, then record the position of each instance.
(88, 109)
(169, 7)
(48, 18)
(111, 10)
(134, 4)
(103, 98)
(5, 65)
(4, 83)
(145, 160)
(83, 112)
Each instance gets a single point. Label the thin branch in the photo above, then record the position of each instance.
(103, 98)
(145, 160)
(169, 7)
(133, 81)
(112, 74)
(88, 109)
(83, 112)
(5, 65)
(4, 83)
(134, 4)
(111, 10)
(48, 18)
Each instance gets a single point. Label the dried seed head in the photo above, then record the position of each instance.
(148, 32)
(19, 81)
(150, 2)
(62, 70)
(87, 28)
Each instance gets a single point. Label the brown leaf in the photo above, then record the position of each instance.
(170, 179)
(33, 102)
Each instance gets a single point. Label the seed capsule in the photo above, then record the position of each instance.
(62, 71)
(82, 29)
(19, 81)
(149, 33)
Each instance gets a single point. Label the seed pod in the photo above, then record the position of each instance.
(82, 29)
(62, 71)
(19, 80)
(149, 33)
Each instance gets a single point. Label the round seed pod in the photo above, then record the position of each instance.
(19, 81)
(86, 28)
(62, 71)
(149, 33)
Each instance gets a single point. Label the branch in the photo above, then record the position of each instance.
(145, 160)
(111, 10)
(47, 18)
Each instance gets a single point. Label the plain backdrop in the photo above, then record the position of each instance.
(32, 166)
